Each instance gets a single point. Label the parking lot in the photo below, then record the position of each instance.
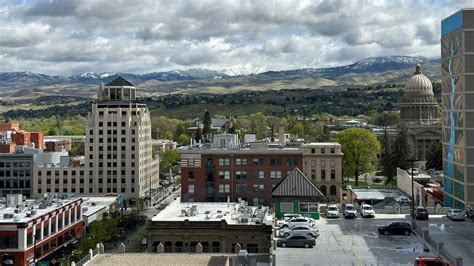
(457, 236)
(356, 242)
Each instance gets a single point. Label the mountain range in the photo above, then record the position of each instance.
(369, 71)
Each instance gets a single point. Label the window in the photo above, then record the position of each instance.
(333, 190)
(323, 190)
(333, 150)
(46, 248)
(275, 174)
(313, 173)
(258, 161)
(275, 161)
(45, 230)
(259, 175)
(241, 161)
(258, 188)
(313, 150)
(224, 174)
(323, 150)
(333, 174)
(191, 162)
(224, 161)
(323, 174)
(191, 174)
(29, 239)
(191, 189)
(292, 162)
(309, 207)
(241, 188)
(241, 174)
(53, 225)
(224, 188)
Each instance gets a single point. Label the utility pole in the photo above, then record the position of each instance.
(412, 161)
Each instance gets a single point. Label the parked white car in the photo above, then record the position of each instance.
(332, 211)
(455, 214)
(304, 221)
(299, 230)
(350, 211)
(367, 211)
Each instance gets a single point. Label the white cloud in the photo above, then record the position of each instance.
(67, 36)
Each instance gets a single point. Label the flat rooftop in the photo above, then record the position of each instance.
(139, 259)
(38, 206)
(213, 211)
(375, 194)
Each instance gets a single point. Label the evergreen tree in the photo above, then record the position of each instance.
(435, 157)
(400, 151)
(207, 125)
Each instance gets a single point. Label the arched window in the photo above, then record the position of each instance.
(323, 190)
(333, 191)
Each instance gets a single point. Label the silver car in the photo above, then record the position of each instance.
(300, 230)
(455, 214)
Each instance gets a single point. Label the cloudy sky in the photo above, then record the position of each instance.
(64, 37)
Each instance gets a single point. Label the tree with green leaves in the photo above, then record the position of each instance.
(360, 148)
(183, 139)
(168, 159)
(207, 122)
(298, 129)
(435, 157)
(400, 151)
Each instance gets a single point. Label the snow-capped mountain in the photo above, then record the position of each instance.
(368, 67)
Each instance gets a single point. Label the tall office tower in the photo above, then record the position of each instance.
(457, 83)
(118, 143)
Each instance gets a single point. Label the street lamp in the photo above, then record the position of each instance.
(412, 160)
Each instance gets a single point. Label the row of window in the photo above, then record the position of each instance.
(110, 132)
(323, 150)
(111, 140)
(81, 181)
(239, 188)
(112, 148)
(15, 173)
(332, 190)
(323, 174)
(21, 164)
(91, 173)
(255, 161)
(115, 124)
(241, 174)
(81, 190)
(14, 183)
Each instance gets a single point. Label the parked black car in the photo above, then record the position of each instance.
(297, 241)
(421, 213)
(395, 228)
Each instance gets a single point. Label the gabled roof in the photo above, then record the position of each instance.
(296, 184)
(119, 81)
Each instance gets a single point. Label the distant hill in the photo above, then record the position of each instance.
(369, 71)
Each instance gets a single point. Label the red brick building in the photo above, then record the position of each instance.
(245, 173)
(10, 133)
(35, 231)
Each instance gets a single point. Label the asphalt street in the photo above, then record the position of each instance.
(356, 242)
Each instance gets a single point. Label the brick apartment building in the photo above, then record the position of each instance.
(31, 230)
(229, 174)
(228, 170)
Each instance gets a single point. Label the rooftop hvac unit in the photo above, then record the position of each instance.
(28, 214)
(33, 212)
(17, 211)
(43, 206)
(16, 218)
(8, 216)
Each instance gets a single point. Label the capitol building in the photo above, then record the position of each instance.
(419, 115)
